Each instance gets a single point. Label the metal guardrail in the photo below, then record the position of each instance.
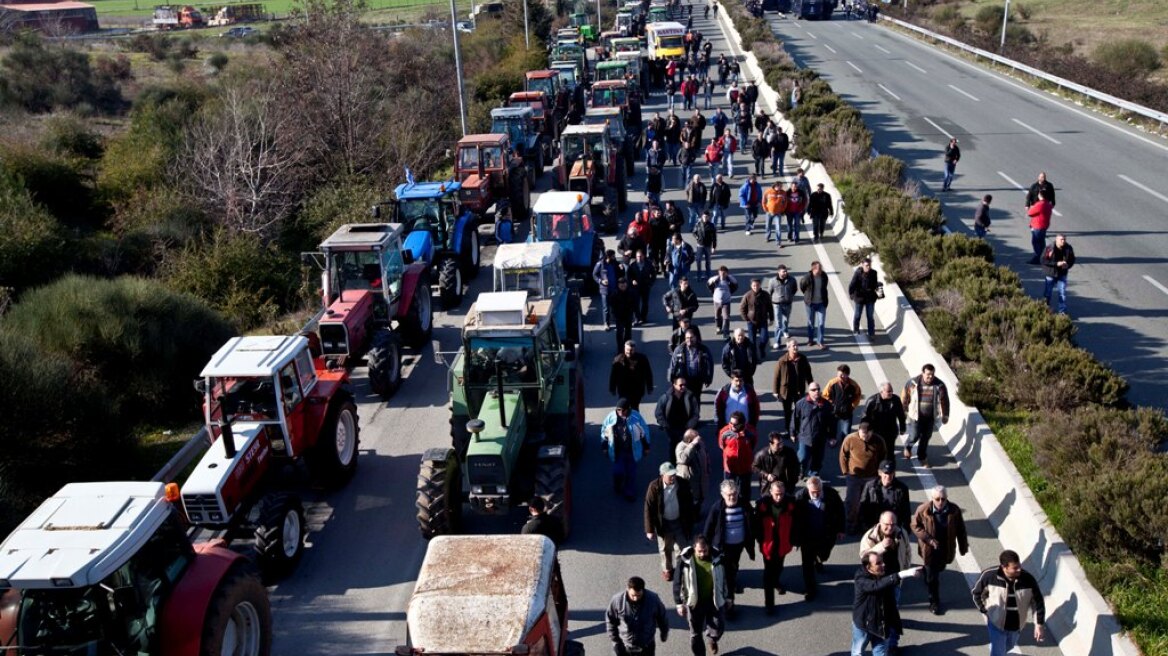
(199, 442)
(1062, 83)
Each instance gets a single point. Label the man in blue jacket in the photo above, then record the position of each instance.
(750, 199)
(624, 436)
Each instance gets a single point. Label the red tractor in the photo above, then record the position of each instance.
(107, 568)
(549, 81)
(494, 178)
(376, 298)
(589, 162)
(269, 406)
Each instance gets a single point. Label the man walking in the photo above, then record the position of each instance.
(777, 462)
(819, 207)
(760, 150)
(863, 291)
(927, 399)
(739, 355)
(819, 524)
(681, 302)
(625, 438)
(757, 311)
(981, 217)
(774, 203)
(782, 289)
(631, 376)
(891, 541)
(691, 361)
(722, 286)
(634, 617)
(693, 464)
(796, 205)
(737, 396)
(669, 516)
(1007, 595)
(875, 617)
(812, 427)
(677, 411)
(737, 440)
(860, 456)
(719, 200)
(940, 530)
(814, 287)
(1041, 187)
(706, 237)
(1057, 260)
(773, 516)
(885, 413)
(885, 494)
(779, 148)
(699, 591)
(750, 199)
(623, 303)
(952, 156)
(845, 395)
(679, 257)
(641, 274)
(792, 375)
(606, 272)
(1039, 214)
(696, 197)
(728, 529)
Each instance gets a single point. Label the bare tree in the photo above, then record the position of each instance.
(241, 159)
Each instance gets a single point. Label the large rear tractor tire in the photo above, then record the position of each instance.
(449, 284)
(439, 499)
(554, 485)
(239, 617)
(279, 534)
(470, 257)
(334, 458)
(419, 320)
(385, 363)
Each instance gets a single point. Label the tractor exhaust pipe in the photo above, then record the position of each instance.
(499, 392)
(226, 435)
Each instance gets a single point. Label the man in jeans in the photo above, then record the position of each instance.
(1057, 260)
(696, 197)
(719, 201)
(782, 289)
(1007, 595)
(706, 239)
(815, 297)
(633, 617)
(862, 289)
(699, 591)
(723, 286)
(926, 399)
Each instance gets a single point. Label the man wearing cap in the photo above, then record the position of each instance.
(631, 376)
(669, 517)
(886, 493)
(860, 456)
(624, 437)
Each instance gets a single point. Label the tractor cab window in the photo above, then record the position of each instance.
(306, 370)
(553, 279)
(513, 359)
(542, 84)
(596, 143)
(520, 280)
(549, 347)
(558, 226)
(573, 148)
(468, 158)
(391, 261)
(358, 270)
(493, 157)
(423, 214)
(250, 399)
(290, 387)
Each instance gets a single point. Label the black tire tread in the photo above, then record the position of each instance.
(437, 510)
(551, 481)
(240, 584)
(449, 286)
(268, 539)
(385, 347)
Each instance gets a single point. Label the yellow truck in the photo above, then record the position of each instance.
(666, 40)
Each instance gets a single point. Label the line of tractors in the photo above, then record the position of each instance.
(155, 568)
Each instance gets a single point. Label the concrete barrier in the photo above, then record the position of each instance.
(1078, 617)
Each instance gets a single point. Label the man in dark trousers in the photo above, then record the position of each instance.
(622, 303)
(813, 424)
(641, 275)
(740, 355)
(779, 148)
(678, 410)
(792, 375)
(757, 311)
(952, 156)
(631, 376)
(777, 462)
(669, 515)
(875, 615)
(691, 360)
(633, 618)
(819, 207)
(885, 412)
(863, 291)
(926, 399)
(541, 523)
(1057, 259)
(699, 591)
(940, 530)
(681, 302)
(818, 525)
(885, 494)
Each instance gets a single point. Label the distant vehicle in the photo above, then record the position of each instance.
(229, 14)
(240, 32)
(493, 9)
(173, 17)
(666, 40)
(814, 9)
(465, 26)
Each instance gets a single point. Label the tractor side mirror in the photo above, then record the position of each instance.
(375, 211)
(201, 386)
(407, 257)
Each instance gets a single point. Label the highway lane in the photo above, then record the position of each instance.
(1112, 181)
(350, 593)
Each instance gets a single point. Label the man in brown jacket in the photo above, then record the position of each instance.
(758, 312)
(669, 515)
(860, 456)
(940, 532)
(792, 374)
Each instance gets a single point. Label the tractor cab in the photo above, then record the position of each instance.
(570, 74)
(541, 112)
(487, 595)
(606, 38)
(107, 568)
(579, 21)
(585, 152)
(634, 7)
(624, 22)
(538, 269)
(627, 44)
(612, 93)
(438, 231)
(613, 121)
(658, 14)
(547, 81)
(518, 123)
(567, 36)
(563, 217)
(614, 69)
(489, 170)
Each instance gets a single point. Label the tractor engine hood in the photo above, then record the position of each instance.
(475, 193)
(342, 326)
(219, 485)
(491, 456)
(420, 244)
(582, 168)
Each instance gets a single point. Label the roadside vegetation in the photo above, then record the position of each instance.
(1096, 464)
(155, 197)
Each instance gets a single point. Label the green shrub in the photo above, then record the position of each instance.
(70, 136)
(332, 206)
(1020, 321)
(139, 341)
(54, 182)
(945, 329)
(1047, 377)
(975, 279)
(948, 16)
(952, 246)
(882, 169)
(903, 256)
(217, 61)
(249, 282)
(1019, 35)
(31, 240)
(40, 79)
(1127, 57)
(988, 19)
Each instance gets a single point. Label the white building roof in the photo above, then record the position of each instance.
(526, 256)
(560, 202)
(479, 593)
(243, 357)
(82, 534)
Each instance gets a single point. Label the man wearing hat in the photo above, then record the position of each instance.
(625, 438)
(885, 494)
(669, 517)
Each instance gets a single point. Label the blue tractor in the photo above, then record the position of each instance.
(562, 217)
(439, 231)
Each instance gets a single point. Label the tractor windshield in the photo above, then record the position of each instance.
(596, 143)
(468, 158)
(671, 43)
(421, 213)
(518, 280)
(544, 84)
(245, 399)
(359, 270)
(512, 358)
(558, 226)
(493, 157)
(611, 97)
(573, 148)
(512, 127)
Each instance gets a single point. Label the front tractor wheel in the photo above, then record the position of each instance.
(449, 284)
(419, 320)
(469, 261)
(334, 457)
(439, 499)
(554, 485)
(238, 620)
(279, 534)
(385, 363)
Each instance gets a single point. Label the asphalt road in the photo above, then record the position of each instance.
(1112, 181)
(350, 592)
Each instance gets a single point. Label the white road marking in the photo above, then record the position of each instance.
(831, 49)
(854, 66)
(1140, 186)
(855, 34)
(1038, 132)
(943, 130)
(883, 50)
(965, 93)
(889, 92)
(812, 36)
(916, 67)
(1156, 284)
(967, 563)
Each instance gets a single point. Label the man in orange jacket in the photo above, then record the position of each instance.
(774, 203)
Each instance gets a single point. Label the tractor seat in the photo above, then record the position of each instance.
(371, 272)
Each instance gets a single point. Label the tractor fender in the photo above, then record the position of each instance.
(185, 610)
(461, 225)
(410, 278)
(437, 454)
(420, 244)
(552, 452)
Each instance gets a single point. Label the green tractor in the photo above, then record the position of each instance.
(579, 21)
(517, 416)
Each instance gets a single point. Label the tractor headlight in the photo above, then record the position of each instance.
(502, 489)
(476, 489)
(278, 445)
(62, 583)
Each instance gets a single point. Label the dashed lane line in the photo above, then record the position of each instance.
(1038, 132)
(965, 93)
(889, 92)
(943, 130)
(1138, 185)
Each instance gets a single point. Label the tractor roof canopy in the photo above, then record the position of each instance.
(248, 357)
(535, 255)
(483, 139)
(362, 237)
(560, 202)
(506, 314)
(82, 534)
(511, 112)
(426, 190)
(480, 594)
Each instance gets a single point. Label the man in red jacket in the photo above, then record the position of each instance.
(1039, 214)
(737, 440)
(773, 515)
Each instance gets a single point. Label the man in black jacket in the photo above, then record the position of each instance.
(541, 523)
(862, 290)
(681, 302)
(885, 493)
(819, 207)
(779, 152)
(1057, 259)
(641, 275)
(669, 515)
(818, 525)
(622, 302)
(777, 462)
(631, 376)
(1042, 187)
(678, 410)
(884, 411)
(952, 156)
(875, 617)
(719, 201)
